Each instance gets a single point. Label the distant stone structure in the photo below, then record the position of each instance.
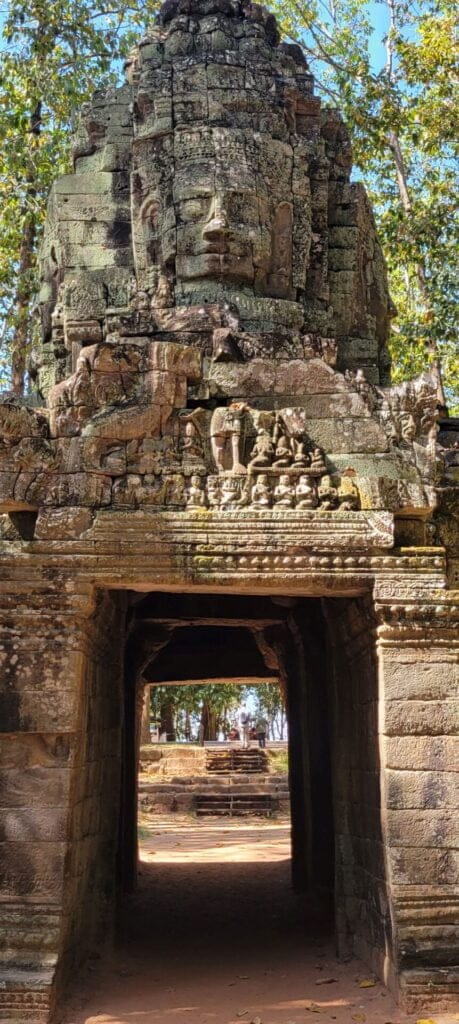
(215, 417)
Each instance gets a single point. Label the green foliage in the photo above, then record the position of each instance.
(222, 700)
(403, 118)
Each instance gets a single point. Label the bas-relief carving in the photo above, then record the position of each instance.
(192, 240)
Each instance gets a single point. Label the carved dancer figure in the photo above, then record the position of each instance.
(261, 493)
(284, 492)
(305, 493)
(225, 437)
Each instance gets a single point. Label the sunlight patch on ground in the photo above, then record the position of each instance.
(213, 842)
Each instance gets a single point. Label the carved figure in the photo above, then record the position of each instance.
(196, 497)
(192, 444)
(284, 493)
(318, 461)
(225, 437)
(261, 492)
(175, 490)
(301, 457)
(306, 493)
(213, 491)
(328, 497)
(347, 494)
(262, 451)
(283, 454)
(232, 495)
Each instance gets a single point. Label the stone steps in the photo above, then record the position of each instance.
(223, 792)
(233, 805)
(233, 759)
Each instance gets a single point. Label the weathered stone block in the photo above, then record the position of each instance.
(429, 828)
(422, 677)
(434, 866)
(421, 789)
(436, 753)
(421, 718)
(34, 787)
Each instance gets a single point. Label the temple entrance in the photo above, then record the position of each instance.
(320, 652)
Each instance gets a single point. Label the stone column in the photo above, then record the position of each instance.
(42, 655)
(417, 651)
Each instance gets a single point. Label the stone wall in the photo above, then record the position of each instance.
(362, 910)
(94, 804)
(418, 713)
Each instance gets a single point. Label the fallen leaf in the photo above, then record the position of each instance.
(256, 1020)
(313, 1008)
(367, 983)
(359, 1017)
(241, 1013)
(426, 1020)
(327, 981)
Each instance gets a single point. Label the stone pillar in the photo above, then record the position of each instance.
(59, 754)
(417, 651)
(42, 657)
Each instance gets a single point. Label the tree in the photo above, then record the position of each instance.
(211, 705)
(53, 57)
(396, 90)
(269, 702)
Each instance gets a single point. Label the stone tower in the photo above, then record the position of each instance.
(216, 418)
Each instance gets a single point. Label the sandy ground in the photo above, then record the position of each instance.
(214, 935)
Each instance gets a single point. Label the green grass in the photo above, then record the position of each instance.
(278, 760)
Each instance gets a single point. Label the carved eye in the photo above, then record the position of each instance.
(192, 209)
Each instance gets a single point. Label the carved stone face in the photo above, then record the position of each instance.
(224, 212)
(229, 205)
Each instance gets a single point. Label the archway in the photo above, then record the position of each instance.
(322, 652)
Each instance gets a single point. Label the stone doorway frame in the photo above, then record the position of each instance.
(49, 600)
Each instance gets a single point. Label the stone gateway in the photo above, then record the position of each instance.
(215, 442)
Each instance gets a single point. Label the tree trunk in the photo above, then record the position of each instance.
(167, 720)
(208, 722)
(24, 290)
(145, 736)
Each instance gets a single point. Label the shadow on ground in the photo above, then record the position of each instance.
(213, 938)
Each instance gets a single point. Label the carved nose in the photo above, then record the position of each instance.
(216, 229)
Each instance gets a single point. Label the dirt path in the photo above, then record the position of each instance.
(214, 935)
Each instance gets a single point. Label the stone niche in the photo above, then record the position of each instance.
(214, 416)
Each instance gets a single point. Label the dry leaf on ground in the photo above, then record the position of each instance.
(367, 983)
(326, 981)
